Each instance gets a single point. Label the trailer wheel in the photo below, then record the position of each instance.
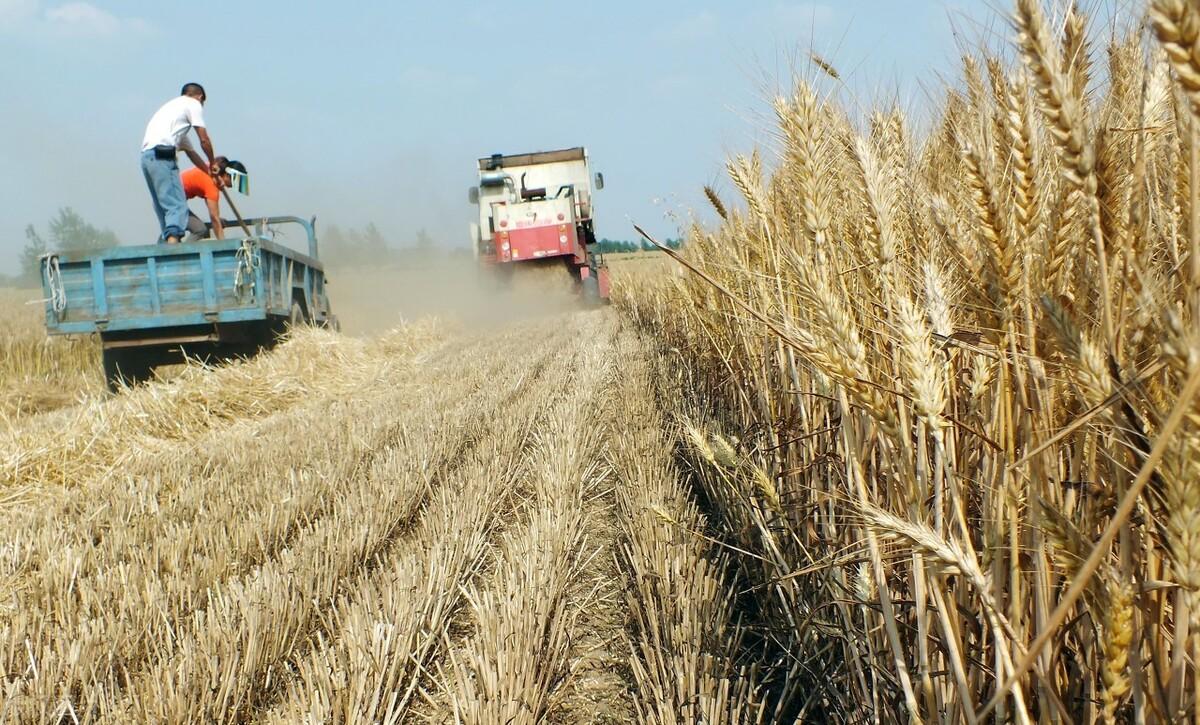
(297, 316)
(127, 366)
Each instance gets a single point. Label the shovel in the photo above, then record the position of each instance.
(237, 215)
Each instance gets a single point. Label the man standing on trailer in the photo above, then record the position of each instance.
(165, 135)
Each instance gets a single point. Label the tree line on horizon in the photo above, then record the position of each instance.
(68, 231)
(626, 246)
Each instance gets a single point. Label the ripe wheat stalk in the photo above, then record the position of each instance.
(946, 361)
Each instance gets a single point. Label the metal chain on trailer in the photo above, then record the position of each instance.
(58, 295)
(247, 268)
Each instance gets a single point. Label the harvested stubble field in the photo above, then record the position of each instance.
(442, 522)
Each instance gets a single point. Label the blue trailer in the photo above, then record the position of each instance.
(212, 300)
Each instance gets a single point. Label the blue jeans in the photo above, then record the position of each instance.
(166, 191)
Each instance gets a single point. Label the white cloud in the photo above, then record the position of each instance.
(16, 11)
(83, 18)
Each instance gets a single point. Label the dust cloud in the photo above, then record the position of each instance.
(369, 300)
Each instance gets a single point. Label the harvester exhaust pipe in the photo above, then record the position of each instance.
(530, 194)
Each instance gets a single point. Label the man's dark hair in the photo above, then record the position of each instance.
(191, 88)
(236, 166)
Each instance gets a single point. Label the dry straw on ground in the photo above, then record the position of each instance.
(106, 434)
(683, 636)
(962, 371)
(37, 372)
(346, 549)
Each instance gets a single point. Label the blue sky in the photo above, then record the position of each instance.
(368, 111)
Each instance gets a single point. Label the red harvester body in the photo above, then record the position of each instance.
(537, 206)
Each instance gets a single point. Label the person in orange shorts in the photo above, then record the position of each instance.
(198, 184)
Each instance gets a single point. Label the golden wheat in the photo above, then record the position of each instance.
(948, 401)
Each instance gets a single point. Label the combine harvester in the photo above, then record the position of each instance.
(535, 207)
(213, 300)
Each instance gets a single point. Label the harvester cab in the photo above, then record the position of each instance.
(537, 206)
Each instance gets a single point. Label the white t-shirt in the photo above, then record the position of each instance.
(169, 125)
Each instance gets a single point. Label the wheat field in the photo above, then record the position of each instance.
(941, 389)
(910, 434)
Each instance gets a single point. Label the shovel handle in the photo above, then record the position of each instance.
(236, 214)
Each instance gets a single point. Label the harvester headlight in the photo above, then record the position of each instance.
(562, 238)
(504, 246)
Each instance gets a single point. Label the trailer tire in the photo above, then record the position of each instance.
(297, 317)
(127, 366)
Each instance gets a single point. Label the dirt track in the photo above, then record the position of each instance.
(457, 526)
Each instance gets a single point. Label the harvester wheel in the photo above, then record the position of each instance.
(591, 290)
(128, 366)
(495, 278)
